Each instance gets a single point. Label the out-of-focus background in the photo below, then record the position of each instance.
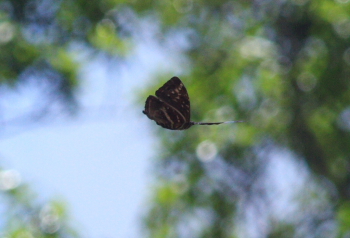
(79, 159)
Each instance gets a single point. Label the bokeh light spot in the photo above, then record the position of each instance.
(9, 179)
(342, 1)
(7, 31)
(345, 119)
(269, 109)
(306, 81)
(180, 184)
(49, 219)
(256, 48)
(343, 28)
(183, 6)
(346, 56)
(206, 151)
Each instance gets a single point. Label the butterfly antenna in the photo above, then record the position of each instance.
(214, 123)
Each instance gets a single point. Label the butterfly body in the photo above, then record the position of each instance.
(164, 114)
(170, 108)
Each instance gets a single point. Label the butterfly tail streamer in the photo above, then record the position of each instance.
(227, 122)
(214, 123)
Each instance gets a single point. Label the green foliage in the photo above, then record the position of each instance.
(283, 67)
(344, 217)
(38, 42)
(25, 216)
(105, 37)
(40, 34)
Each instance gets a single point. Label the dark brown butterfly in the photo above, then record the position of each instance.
(171, 108)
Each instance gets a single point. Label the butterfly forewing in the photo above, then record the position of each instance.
(163, 114)
(171, 108)
(175, 94)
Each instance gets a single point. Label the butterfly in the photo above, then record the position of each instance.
(170, 108)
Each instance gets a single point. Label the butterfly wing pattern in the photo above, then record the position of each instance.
(175, 94)
(171, 108)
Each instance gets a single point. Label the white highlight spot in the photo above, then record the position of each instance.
(9, 179)
(206, 151)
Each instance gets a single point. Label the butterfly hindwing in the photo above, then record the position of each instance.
(163, 114)
(175, 94)
(171, 108)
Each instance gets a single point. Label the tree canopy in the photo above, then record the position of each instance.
(281, 66)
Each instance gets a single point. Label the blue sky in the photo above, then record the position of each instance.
(98, 162)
